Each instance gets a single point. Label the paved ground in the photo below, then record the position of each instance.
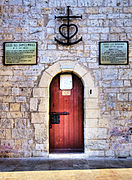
(99, 174)
(40, 164)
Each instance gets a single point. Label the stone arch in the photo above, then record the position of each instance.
(40, 109)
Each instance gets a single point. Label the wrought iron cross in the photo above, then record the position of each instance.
(68, 37)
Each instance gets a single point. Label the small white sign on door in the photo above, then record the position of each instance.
(65, 81)
(66, 93)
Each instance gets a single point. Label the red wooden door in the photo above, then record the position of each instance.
(68, 135)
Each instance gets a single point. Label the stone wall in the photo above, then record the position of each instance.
(22, 98)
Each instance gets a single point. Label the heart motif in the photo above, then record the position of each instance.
(66, 26)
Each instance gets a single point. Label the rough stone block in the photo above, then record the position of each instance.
(40, 92)
(8, 37)
(52, 70)
(4, 91)
(39, 147)
(97, 133)
(127, 9)
(67, 3)
(91, 123)
(116, 30)
(122, 97)
(97, 3)
(124, 16)
(7, 99)
(130, 97)
(6, 73)
(94, 37)
(2, 133)
(15, 91)
(80, 70)
(110, 3)
(91, 10)
(8, 134)
(127, 83)
(92, 114)
(18, 144)
(38, 118)
(116, 83)
(18, 133)
(29, 3)
(104, 123)
(43, 105)
(67, 65)
(6, 123)
(41, 132)
(125, 74)
(123, 153)
(25, 107)
(90, 3)
(51, 31)
(98, 30)
(97, 16)
(45, 80)
(33, 104)
(95, 153)
(21, 99)
(13, 2)
(91, 103)
(104, 36)
(105, 10)
(51, 46)
(88, 81)
(7, 143)
(84, 3)
(39, 154)
(122, 3)
(108, 74)
(5, 106)
(14, 114)
(20, 123)
(109, 153)
(14, 106)
(97, 144)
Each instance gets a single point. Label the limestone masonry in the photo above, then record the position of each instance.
(24, 89)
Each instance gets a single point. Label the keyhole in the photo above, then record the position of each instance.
(53, 105)
(90, 91)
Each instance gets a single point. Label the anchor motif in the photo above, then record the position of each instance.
(68, 26)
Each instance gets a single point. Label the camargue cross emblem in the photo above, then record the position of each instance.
(67, 27)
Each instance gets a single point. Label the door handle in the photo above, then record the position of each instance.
(55, 117)
(59, 113)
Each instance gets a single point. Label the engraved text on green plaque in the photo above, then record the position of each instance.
(20, 53)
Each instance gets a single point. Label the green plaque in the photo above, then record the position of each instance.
(20, 53)
(113, 53)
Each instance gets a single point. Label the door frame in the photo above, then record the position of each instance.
(91, 107)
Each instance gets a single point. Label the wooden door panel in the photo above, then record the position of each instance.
(68, 135)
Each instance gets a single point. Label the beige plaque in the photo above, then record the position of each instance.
(66, 93)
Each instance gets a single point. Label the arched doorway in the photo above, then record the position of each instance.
(66, 131)
(40, 103)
